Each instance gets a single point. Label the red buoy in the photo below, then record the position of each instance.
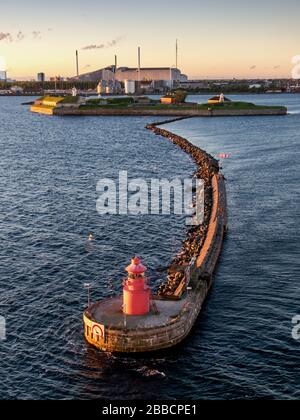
(224, 156)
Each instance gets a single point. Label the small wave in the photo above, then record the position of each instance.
(148, 372)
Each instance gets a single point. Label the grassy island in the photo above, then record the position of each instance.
(144, 106)
(138, 105)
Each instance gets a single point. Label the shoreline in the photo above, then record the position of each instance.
(190, 93)
(101, 112)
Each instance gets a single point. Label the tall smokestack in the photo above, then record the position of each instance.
(77, 64)
(139, 67)
(115, 74)
(176, 53)
(116, 64)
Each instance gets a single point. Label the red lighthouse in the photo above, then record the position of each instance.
(136, 293)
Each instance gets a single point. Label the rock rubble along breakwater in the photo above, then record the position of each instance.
(207, 167)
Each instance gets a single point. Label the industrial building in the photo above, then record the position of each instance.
(166, 74)
(169, 75)
(107, 74)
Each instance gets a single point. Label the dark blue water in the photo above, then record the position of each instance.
(241, 346)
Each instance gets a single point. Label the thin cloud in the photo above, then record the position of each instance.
(276, 67)
(109, 44)
(94, 47)
(6, 37)
(113, 42)
(50, 29)
(252, 67)
(37, 34)
(20, 36)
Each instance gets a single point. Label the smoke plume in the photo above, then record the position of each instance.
(20, 36)
(109, 44)
(6, 36)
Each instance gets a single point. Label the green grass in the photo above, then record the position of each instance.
(112, 103)
(236, 106)
(51, 98)
(115, 103)
(109, 106)
(70, 100)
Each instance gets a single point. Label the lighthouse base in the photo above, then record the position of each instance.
(169, 322)
(165, 327)
(137, 302)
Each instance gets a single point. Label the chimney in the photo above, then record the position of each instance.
(77, 64)
(115, 74)
(139, 68)
(116, 64)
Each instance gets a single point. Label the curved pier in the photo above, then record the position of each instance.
(180, 299)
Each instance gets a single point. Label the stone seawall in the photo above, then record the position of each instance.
(151, 339)
(169, 112)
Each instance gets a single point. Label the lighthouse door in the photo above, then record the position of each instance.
(98, 332)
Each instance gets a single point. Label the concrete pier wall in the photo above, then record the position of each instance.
(170, 334)
(169, 112)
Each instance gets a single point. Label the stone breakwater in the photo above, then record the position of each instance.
(170, 320)
(207, 167)
(176, 308)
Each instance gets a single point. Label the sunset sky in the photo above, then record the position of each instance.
(217, 38)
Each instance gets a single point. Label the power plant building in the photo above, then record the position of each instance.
(169, 75)
(107, 74)
(134, 79)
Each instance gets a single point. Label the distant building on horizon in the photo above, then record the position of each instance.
(17, 89)
(169, 75)
(56, 79)
(3, 76)
(41, 77)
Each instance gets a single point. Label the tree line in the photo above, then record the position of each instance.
(47, 85)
